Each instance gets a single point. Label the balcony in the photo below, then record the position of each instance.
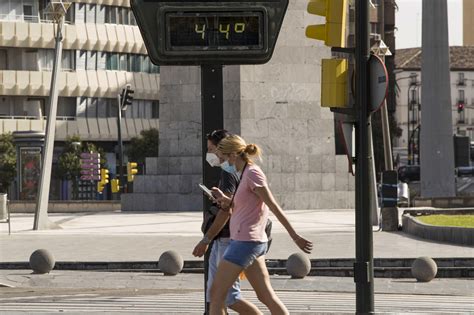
(100, 37)
(90, 129)
(87, 83)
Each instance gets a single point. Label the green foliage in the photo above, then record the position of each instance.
(69, 162)
(465, 220)
(7, 161)
(146, 145)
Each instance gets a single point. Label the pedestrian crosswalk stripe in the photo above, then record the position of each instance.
(297, 302)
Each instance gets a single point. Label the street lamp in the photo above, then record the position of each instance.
(56, 10)
(381, 50)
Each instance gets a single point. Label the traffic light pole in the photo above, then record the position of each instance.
(119, 126)
(212, 115)
(363, 267)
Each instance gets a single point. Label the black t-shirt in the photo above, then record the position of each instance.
(227, 183)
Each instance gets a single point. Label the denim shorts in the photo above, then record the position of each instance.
(244, 253)
(217, 251)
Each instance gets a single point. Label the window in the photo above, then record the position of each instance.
(102, 108)
(80, 13)
(3, 59)
(81, 107)
(461, 95)
(111, 15)
(460, 78)
(101, 12)
(68, 60)
(91, 60)
(92, 108)
(101, 60)
(123, 62)
(112, 61)
(28, 12)
(71, 13)
(81, 60)
(91, 13)
(155, 109)
(135, 63)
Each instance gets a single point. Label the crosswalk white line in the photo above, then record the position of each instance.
(192, 303)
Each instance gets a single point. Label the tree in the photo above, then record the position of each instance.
(69, 162)
(7, 161)
(146, 145)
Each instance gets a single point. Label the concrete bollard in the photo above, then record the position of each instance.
(171, 263)
(42, 261)
(298, 265)
(424, 269)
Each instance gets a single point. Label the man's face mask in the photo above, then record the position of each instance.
(212, 159)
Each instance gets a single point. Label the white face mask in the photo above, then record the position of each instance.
(213, 160)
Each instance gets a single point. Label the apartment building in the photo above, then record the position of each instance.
(409, 107)
(102, 52)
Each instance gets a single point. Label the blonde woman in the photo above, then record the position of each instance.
(250, 208)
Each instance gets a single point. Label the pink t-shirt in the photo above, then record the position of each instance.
(250, 213)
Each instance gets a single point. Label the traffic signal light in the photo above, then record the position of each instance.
(334, 82)
(333, 33)
(131, 170)
(100, 186)
(460, 107)
(126, 97)
(104, 175)
(115, 185)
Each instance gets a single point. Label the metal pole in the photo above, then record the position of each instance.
(41, 220)
(120, 163)
(212, 115)
(387, 142)
(363, 267)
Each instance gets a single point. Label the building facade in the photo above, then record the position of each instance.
(409, 107)
(102, 52)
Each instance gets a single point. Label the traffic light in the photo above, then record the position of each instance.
(100, 186)
(115, 185)
(460, 107)
(131, 170)
(104, 175)
(334, 82)
(126, 97)
(333, 33)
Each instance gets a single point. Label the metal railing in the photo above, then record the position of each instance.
(65, 118)
(27, 18)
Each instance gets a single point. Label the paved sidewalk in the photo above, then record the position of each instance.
(130, 236)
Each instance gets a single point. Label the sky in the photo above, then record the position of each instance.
(408, 22)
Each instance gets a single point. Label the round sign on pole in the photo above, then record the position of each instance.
(378, 81)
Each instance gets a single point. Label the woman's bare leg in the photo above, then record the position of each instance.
(225, 276)
(258, 276)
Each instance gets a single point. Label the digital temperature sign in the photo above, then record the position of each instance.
(192, 32)
(214, 31)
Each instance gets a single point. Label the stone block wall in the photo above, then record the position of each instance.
(276, 105)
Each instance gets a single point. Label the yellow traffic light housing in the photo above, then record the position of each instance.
(104, 176)
(100, 186)
(131, 170)
(333, 33)
(334, 82)
(115, 185)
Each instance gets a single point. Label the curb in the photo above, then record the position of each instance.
(446, 234)
(339, 267)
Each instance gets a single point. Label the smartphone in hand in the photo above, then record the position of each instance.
(207, 192)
